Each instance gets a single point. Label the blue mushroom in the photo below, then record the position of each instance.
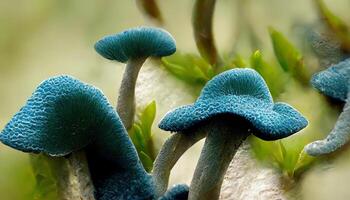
(231, 106)
(64, 116)
(177, 192)
(334, 82)
(132, 47)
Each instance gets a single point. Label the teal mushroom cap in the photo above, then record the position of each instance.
(135, 43)
(133, 46)
(231, 106)
(238, 92)
(58, 118)
(334, 82)
(65, 115)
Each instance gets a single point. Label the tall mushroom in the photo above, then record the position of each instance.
(231, 106)
(65, 117)
(133, 46)
(334, 82)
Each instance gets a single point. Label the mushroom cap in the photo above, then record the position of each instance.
(136, 43)
(238, 92)
(334, 81)
(64, 115)
(177, 192)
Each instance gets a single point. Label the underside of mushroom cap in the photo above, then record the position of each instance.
(334, 81)
(64, 115)
(240, 92)
(135, 43)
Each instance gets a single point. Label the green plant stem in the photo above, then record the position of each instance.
(220, 146)
(339, 136)
(171, 151)
(126, 98)
(202, 22)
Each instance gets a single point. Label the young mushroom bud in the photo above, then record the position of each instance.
(64, 117)
(133, 47)
(231, 106)
(334, 82)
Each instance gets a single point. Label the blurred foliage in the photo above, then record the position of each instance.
(189, 67)
(45, 172)
(289, 57)
(335, 24)
(141, 136)
(273, 75)
(151, 9)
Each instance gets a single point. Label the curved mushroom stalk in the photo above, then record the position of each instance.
(219, 148)
(171, 151)
(339, 136)
(126, 99)
(133, 46)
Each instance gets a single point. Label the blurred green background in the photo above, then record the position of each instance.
(43, 38)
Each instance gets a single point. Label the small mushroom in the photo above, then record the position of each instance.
(334, 82)
(65, 116)
(231, 106)
(133, 46)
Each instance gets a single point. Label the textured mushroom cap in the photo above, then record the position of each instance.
(240, 92)
(334, 81)
(136, 43)
(64, 115)
(177, 192)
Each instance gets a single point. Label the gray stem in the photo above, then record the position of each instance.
(220, 146)
(81, 175)
(339, 136)
(126, 98)
(171, 151)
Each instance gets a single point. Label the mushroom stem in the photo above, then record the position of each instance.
(202, 22)
(220, 146)
(171, 151)
(126, 98)
(339, 136)
(80, 172)
(71, 175)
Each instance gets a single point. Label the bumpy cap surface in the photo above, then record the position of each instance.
(241, 92)
(334, 81)
(177, 192)
(135, 43)
(64, 115)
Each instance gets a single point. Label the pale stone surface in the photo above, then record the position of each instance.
(246, 179)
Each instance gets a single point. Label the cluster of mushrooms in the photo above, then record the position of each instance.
(65, 117)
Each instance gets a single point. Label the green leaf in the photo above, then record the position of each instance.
(147, 118)
(141, 135)
(336, 24)
(146, 161)
(289, 57)
(189, 67)
(235, 61)
(44, 170)
(275, 78)
(137, 137)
